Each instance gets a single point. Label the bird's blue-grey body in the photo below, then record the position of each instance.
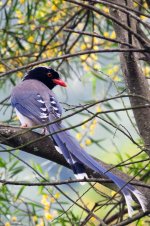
(34, 101)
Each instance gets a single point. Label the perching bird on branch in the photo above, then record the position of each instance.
(36, 104)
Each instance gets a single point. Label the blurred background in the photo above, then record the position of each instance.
(37, 32)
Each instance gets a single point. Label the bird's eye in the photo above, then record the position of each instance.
(49, 74)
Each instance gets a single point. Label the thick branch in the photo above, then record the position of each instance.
(44, 148)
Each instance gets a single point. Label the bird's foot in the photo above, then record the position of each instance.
(24, 126)
(44, 131)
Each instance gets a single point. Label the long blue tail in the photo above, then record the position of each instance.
(77, 158)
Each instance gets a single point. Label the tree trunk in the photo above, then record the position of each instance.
(135, 80)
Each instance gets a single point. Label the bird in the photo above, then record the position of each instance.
(36, 104)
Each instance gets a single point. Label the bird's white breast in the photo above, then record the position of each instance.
(25, 122)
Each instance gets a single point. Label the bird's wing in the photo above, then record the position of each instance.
(55, 108)
(31, 105)
(36, 105)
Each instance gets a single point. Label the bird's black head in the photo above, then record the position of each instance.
(46, 75)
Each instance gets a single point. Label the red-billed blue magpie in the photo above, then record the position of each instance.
(36, 104)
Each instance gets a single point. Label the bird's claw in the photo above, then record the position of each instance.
(24, 126)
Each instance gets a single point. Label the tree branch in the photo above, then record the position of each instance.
(69, 55)
(44, 148)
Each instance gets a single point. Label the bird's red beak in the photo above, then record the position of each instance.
(59, 82)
